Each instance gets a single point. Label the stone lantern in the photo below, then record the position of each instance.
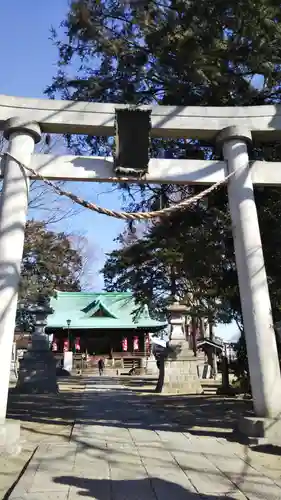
(177, 313)
(181, 374)
(37, 371)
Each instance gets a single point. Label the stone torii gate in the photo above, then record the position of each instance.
(23, 120)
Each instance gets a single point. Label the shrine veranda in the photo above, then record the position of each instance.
(232, 129)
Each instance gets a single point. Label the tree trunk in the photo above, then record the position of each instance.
(211, 330)
(194, 335)
(202, 327)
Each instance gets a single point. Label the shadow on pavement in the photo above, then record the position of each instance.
(201, 415)
(61, 409)
(149, 488)
(271, 449)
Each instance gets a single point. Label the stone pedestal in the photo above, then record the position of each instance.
(37, 370)
(178, 373)
(151, 366)
(37, 373)
(181, 374)
(259, 430)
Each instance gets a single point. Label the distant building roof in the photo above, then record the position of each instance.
(105, 310)
(216, 343)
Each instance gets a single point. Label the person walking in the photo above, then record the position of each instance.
(101, 366)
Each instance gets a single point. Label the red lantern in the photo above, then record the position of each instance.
(136, 344)
(77, 344)
(125, 344)
(65, 346)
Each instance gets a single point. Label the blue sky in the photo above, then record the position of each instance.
(28, 62)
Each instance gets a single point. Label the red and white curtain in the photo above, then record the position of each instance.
(147, 344)
(77, 344)
(136, 344)
(125, 344)
(54, 346)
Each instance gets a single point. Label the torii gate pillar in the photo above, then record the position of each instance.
(13, 210)
(255, 301)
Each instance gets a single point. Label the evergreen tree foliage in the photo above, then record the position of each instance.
(188, 53)
(49, 263)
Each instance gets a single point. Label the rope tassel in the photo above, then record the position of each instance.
(122, 215)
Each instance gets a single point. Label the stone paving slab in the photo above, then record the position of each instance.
(51, 495)
(247, 478)
(43, 418)
(119, 451)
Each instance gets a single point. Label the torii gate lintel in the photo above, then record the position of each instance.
(160, 171)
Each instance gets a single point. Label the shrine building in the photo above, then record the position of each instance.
(107, 324)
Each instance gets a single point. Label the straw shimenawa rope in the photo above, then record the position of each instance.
(113, 213)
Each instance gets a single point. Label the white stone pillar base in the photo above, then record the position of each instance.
(68, 361)
(10, 442)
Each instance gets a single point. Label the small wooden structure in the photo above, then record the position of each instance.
(212, 348)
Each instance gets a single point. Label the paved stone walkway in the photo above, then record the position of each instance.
(42, 416)
(120, 450)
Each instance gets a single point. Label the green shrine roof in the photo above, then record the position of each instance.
(108, 310)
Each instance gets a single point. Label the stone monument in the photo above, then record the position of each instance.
(180, 372)
(37, 370)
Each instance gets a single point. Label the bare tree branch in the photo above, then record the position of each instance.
(43, 203)
(87, 251)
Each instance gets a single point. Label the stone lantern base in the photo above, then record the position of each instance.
(37, 373)
(181, 375)
(37, 370)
